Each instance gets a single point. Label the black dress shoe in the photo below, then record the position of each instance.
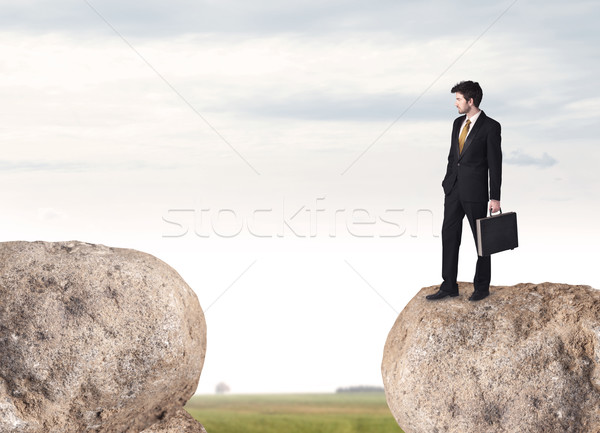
(441, 294)
(478, 296)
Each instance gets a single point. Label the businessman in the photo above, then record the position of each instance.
(473, 177)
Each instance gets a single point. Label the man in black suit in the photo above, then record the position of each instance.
(475, 155)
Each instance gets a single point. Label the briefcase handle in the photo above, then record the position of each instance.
(496, 215)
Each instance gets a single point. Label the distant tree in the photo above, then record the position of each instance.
(361, 388)
(222, 388)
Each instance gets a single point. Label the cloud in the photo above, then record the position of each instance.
(48, 214)
(350, 107)
(523, 159)
(155, 19)
(82, 166)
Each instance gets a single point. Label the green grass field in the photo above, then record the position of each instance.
(294, 413)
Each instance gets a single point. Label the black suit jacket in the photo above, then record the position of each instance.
(481, 159)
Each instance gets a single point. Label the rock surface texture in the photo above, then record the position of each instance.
(94, 339)
(181, 422)
(525, 359)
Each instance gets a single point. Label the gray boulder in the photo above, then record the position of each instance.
(94, 339)
(525, 359)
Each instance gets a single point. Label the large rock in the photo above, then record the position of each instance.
(94, 339)
(525, 359)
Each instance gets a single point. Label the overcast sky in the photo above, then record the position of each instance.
(286, 158)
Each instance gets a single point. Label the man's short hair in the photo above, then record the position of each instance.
(469, 90)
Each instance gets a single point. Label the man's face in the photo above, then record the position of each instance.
(462, 104)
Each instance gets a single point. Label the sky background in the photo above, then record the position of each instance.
(286, 157)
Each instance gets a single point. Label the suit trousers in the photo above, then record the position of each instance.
(455, 210)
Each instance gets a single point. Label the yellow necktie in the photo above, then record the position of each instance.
(463, 136)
